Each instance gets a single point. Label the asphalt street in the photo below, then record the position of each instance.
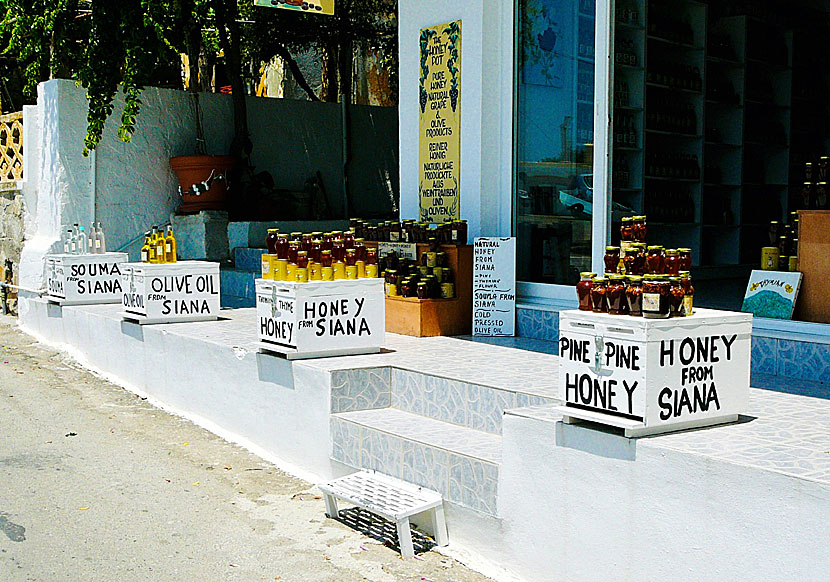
(96, 484)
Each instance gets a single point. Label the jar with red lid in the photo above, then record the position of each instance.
(676, 295)
(598, 286)
(583, 291)
(685, 255)
(615, 295)
(281, 247)
(634, 295)
(655, 262)
(671, 264)
(271, 240)
(627, 229)
(612, 259)
(656, 302)
(638, 227)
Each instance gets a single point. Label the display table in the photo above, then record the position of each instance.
(434, 317)
(84, 279)
(170, 293)
(649, 376)
(320, 318)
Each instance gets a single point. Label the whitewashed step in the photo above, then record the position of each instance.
(460, 463)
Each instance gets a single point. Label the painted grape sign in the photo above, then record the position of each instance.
(439, 98)
(310, 6)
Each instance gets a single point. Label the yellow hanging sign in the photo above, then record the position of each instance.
(310, 6)
(440, 123)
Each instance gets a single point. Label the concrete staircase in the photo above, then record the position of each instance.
(237, 283)
(440, 432)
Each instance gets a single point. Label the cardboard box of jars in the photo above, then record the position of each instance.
(320, 318)
(84, 279)
(170, 292)
(649, 376)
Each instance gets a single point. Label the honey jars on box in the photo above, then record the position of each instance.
(656, 303)
(638, 228)
(627, 229)
(598, 288)
(655, 263)
(612, 259)
(583, 291)
(676, 295)
(615, 295)
(671, 263)
(634, 295)
(685, 255)
(271, 240)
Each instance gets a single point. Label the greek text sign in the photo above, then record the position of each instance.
(174, 293)
(440, 123)
(85, 279)
(494, 286)
(655, 375)
(321, 316)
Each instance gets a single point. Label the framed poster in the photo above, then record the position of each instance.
(771, 294)
(439, 128)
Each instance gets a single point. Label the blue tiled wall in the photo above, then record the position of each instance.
(538, 324)
(237, 288)
(247, 259)
(791, 359)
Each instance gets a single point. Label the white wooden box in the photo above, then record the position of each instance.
(84, 279)
(170, 293)
(321, 318)
(649, 376)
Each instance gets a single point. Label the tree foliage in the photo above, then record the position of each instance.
(109, 46)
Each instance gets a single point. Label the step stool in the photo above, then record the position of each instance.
(390, 498)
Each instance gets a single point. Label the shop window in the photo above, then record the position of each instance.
(554, 139)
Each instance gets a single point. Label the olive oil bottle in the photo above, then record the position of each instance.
(152, 256)
(170, 245)
(159, 242)
(145, 249)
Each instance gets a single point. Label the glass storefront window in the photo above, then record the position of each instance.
(554, 139)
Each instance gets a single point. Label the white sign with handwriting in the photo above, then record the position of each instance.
(494, 286)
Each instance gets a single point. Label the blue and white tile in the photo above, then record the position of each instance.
(426, 466)
(764, 354)
(805, 360)
(346, 442)
(385, 453)
(360, 389)
(408, 391)
(248, 259)
(538, 324)
(486, 406)
(473, 483)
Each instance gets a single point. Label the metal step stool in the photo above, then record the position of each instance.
(390, 498)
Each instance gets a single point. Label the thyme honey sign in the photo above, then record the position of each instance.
(440, 123)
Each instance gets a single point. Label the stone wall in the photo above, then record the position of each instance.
(11, 237)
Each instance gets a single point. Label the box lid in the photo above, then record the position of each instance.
(89, 258)
(322, 288)
(700, 317)
(178, 268)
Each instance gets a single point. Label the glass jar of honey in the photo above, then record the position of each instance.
(351, 257)
(293, 249)
(634, 295)
(638, 263)
(325, 258)
(598, 288)
(654, 260)
(638, 228)
(671, 264)
(656, 303)
(689, 292)
(271, 240)
(685, 258)
(281, 246)
(676, 294)
(583, 291)
(302, 259)
(615, 295)
(612, 259)
(627, 229)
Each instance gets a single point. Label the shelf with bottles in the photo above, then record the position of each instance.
(677, 25)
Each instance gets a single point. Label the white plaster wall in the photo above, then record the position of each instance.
(486, 107)
(577, 506)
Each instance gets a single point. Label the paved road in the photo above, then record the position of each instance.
(97, 485)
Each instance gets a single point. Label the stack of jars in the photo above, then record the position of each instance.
(429, 278)
(650, 296)
(317, 256)
(451, 232)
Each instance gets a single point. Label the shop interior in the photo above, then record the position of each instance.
(718, 109)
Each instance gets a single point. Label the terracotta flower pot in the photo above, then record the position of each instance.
(209, 175)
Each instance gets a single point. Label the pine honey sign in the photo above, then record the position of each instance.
(648, 375)
(440, 123)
